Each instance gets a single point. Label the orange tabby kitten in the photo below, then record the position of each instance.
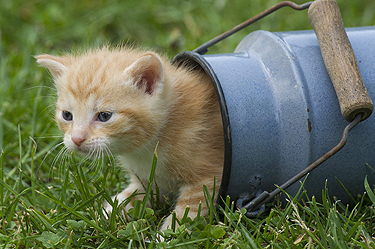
(124, 102)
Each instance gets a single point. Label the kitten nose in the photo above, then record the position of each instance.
(78, 140)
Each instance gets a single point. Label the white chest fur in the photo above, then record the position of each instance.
(140, 161)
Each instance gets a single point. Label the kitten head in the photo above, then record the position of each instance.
(108, 99)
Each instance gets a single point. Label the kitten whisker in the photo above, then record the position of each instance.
(33, 87)
(60, 158)
(111, 157)
(43, 97)
(49, 108)
(94, 156)
(101, 158)
(95, 164)
(51, 150)
(88, 156)
(108, 150)
(49, 136)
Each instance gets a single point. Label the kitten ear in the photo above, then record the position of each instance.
(52, 63)
(146, 72)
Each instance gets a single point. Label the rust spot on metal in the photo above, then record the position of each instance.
(309, 125)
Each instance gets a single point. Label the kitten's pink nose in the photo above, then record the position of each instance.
(78, 140)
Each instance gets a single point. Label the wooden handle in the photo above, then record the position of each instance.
(339, 59)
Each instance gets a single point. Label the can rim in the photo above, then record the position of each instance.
(197, 61)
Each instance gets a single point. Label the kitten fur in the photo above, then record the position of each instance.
(152, 103)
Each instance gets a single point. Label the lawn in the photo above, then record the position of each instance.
(51, 201)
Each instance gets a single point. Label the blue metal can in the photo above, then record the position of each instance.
(280, 113)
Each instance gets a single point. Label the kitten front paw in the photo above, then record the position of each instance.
(107, 209)
(167, 223)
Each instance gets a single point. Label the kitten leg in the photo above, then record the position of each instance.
(134, 185)
(190, 196)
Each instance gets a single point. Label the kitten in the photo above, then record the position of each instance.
(126, 101)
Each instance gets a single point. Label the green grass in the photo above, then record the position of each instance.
(47, 202)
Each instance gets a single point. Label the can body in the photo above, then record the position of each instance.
(282, 114)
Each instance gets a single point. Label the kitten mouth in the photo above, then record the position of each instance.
(83, 150)
(90, 147)
(91, 151)
(80, 149)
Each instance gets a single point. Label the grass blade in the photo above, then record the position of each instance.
(149, 185)
(369, 192)
(78, 215)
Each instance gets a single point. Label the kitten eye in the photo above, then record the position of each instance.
(104, 116)
(67, 116)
